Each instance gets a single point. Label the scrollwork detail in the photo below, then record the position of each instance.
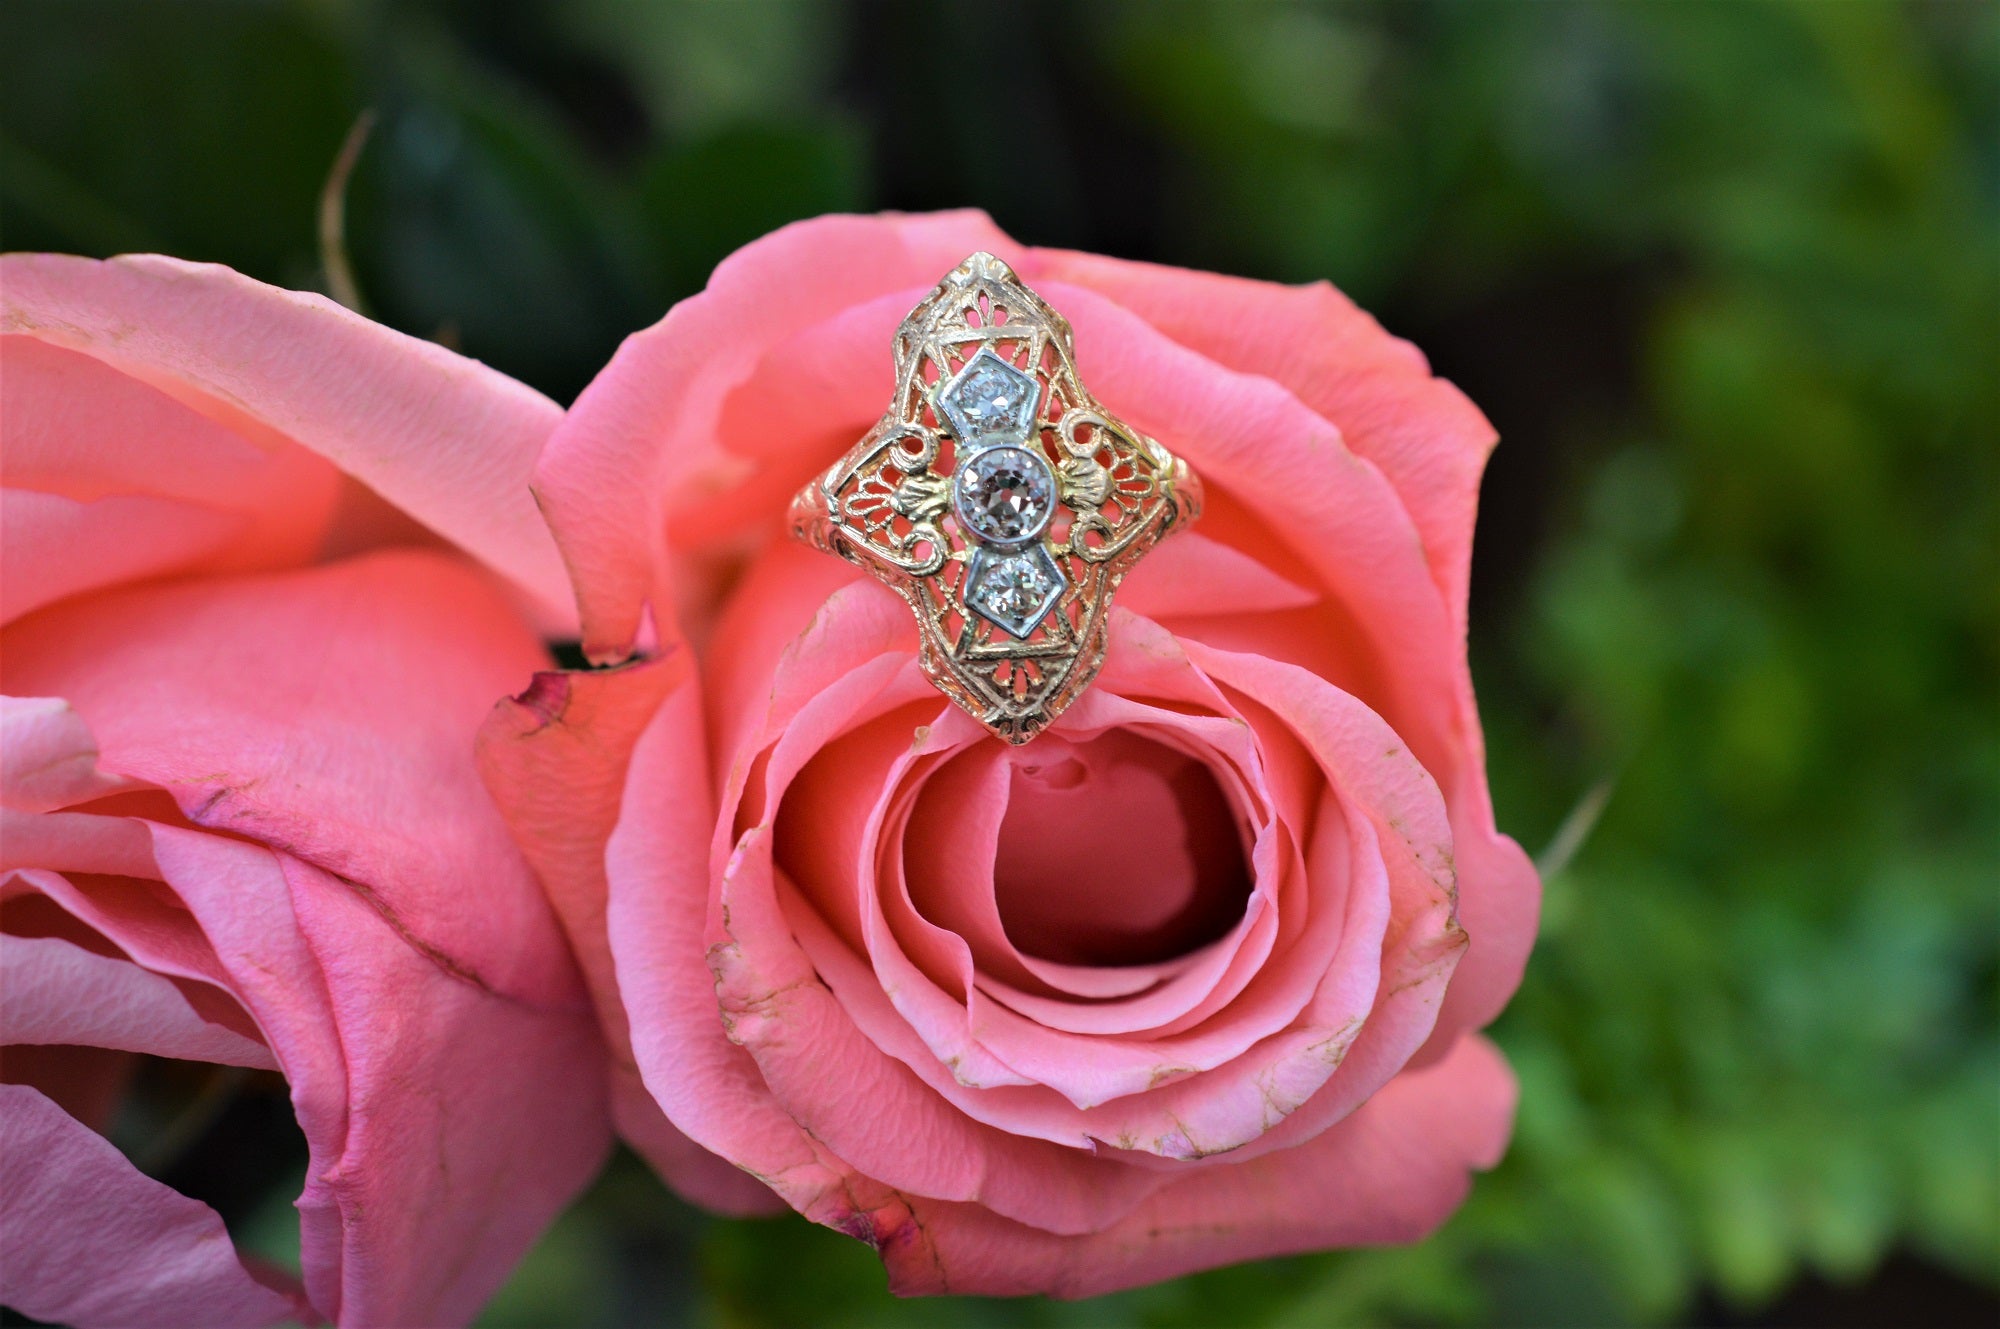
(889, 505)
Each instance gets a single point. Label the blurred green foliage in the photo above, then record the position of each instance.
(1725, 275)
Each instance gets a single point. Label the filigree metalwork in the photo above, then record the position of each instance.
(999, 499)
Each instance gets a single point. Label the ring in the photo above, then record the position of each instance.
(999, 499)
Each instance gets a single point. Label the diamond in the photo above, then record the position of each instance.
(1005, 494)
(1014, 590)
(990, 403)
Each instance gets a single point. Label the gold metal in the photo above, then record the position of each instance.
(1009, 567)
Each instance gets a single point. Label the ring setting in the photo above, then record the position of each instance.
(999, 499)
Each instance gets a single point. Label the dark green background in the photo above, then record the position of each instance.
(1723, 274)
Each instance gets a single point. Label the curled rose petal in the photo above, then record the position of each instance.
(253, 402)
(92, 1241)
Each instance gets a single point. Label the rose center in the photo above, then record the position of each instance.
(1118, 851)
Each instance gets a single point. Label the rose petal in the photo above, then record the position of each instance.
(441, 1193)
(417, 1204)
(131, 913)
(330, 713)
(91, 1241)
(655, 919)
(1332, 510)
(47, 757)
(1499, 904)
(110, 479)
(57, 992)
(1191, 574)
(1429, 441)
(58, 547)
(1390, 1173)
(403, 1218)
(556, 760)
(647, 423)
(442, 437)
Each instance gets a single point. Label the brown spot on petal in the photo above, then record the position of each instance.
(437, 956)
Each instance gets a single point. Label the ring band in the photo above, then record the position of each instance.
(999, 499)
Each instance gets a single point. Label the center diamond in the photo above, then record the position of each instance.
(1005, 495)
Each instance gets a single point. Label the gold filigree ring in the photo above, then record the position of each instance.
(999, 499)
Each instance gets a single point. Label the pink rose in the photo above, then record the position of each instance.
(266, 567)
(1196, 976)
